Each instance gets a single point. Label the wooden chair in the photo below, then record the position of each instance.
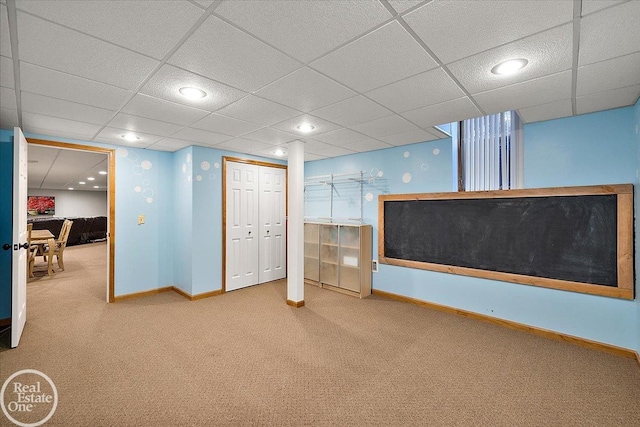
(56, 247)
(32, 251)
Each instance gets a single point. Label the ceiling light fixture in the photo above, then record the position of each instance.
(192, 92)
(91, 178)
(102, 172)
(96, 186)
(279, 152)
(130, 137)
(305, 128)
(82, 182)
(509, 67)
(70, 188)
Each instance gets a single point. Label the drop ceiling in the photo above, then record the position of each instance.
(367, 74)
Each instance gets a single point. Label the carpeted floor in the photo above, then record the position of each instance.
(246, 358)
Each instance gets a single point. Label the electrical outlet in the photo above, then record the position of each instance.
(140, 219)
(374, 265)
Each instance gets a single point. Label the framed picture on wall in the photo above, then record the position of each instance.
(41, 205)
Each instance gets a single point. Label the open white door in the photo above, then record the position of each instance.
(19, 253)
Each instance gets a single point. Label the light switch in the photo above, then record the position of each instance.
(140, 219)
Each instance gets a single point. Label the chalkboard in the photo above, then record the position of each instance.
(572, 238)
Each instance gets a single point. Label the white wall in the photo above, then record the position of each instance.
(75, 203)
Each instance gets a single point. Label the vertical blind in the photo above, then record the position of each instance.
(491, 152)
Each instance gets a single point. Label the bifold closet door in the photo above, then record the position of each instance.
(273, 240)
(242, 225)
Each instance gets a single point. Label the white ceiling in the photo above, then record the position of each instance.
(367, 74)
(62, 169)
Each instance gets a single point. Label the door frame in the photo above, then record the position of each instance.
(226, 159)
(111, 202)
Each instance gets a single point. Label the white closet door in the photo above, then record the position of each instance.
(273, 238)
(241, 226)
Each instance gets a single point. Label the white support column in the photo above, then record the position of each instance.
(295, 225)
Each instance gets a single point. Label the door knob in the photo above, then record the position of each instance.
(25, 245)
(6, 246)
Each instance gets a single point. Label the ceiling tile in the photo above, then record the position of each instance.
(341, 137)
(402, 5)
(112, 136)
(200, 136)
(446, 112)
(242, 145)
(213, 51)
(352, 111)
(287, 25)
(44, 43)
(270, 136)
(170, 144)
(485, 24)
(410, 137)
(320, 125)
(8, 118)
(606, 100)
(54, 107)
(366, 145)
(38, 121)
(330, 151)
(142, 124)
(270, 152)
(65, 133)
(610, 33)
(552, 110)
(149, 27)
(168, 81)
(6, 72)
(8, 98)
(548, 52)
(305, 90)
(159, 109)
(526, 94)
(205, 3)
(55, 84)
(606, 75)
(590, 6)
(382, 57)
(385, 126)
(315, 146)
(258, 110)
(226, 125)
(432, 87)
(309, 157)
(5, 40)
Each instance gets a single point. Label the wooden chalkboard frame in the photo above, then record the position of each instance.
(624, 192)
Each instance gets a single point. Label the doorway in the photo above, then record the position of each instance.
(110, 190)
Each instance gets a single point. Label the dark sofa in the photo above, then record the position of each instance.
(83, 229)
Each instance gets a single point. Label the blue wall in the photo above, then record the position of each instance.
(6, 215)
(590, 149)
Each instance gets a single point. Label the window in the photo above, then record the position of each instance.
(489, 152)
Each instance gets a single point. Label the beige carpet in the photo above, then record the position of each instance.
(246, 358)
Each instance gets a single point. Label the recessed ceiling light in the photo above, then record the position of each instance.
(130, 137)
(279, 152)
(305, 127)
(91, 178)
(82, 182)
(96, 186)
(102, 172)
(509, 67)
(192, 92)
(70, 188)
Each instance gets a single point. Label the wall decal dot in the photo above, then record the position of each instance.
(436, 151)
(369, 197)
(189, 178)
(147, 193)
(137, 189)
(205, 165)
(184, 168)
(188, 157)
(199, 178)
(374, 172)
(146, 182)
(132, 157)
(405, 154)
(406, 178)
(380, 173)
(122, 152)
(137, 170)
(424, 166)
(212, 176)
(149, 199)
(216, 165)
(146, 165)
